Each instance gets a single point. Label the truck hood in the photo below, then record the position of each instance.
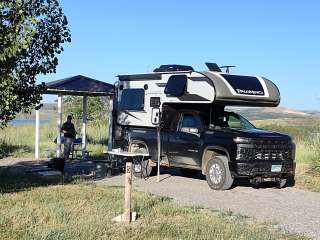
(254, 133)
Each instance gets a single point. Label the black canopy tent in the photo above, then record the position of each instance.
(79, 86)
(75, 86)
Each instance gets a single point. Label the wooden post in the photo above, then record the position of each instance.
(84, 125)
(58, 154)
(127, 193)
(36, 145)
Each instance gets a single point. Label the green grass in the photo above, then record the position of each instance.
(84, 211)
(19, 141)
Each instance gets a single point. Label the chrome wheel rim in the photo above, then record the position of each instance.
(137, 168)
(215, 173)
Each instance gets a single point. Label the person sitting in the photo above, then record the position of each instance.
(69, 133)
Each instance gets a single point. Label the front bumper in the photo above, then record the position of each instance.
(262, 168)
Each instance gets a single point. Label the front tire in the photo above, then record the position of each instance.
(291, 180)
(286, 182)
(218, 175)
(281, 183)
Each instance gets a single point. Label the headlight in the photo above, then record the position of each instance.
(242, 140)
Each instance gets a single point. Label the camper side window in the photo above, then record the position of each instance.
(176, 85)
(132, 99)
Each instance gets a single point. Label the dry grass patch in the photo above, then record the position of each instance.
(85, 210)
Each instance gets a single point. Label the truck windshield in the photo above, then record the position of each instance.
(232, 120)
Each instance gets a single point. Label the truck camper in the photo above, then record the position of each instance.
(197, 133)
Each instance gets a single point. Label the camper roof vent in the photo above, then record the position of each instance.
(173, 68)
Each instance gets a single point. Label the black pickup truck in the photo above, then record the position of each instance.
(222, 145)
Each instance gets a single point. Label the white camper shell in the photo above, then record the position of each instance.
(139, 97)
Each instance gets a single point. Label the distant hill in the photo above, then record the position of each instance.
(261, 113)
(49, 111)
(313, 113)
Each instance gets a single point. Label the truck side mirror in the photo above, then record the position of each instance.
(155, 116)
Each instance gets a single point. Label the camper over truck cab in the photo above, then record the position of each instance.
(197, 132)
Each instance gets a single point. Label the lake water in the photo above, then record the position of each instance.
(19, 122)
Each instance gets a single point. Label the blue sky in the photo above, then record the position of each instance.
(276, 39)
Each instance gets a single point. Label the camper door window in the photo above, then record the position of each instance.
(132, 99)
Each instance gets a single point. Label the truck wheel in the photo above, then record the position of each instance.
(142, 170)
(291, 180)
(286, 182)
(218, 175)
(281, 183)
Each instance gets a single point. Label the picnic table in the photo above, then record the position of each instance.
(76, 150)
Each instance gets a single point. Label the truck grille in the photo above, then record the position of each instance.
(265, 150)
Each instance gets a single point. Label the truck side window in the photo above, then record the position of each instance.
(190, 121)
(234, 122)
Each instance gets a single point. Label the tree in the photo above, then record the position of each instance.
(31, 36)
(98, 108)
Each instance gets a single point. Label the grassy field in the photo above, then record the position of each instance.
(34, 208)
(18, 141)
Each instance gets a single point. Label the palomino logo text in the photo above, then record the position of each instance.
(249, 92)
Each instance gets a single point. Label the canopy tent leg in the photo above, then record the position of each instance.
(110, 124)
(36, 145)
(84, 126)
(59, 120)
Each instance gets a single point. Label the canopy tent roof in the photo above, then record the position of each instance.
(80, 86)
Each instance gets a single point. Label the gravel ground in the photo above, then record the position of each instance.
(292, 209)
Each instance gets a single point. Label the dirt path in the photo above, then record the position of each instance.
(292, 209)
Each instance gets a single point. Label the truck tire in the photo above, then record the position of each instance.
(281, 183)
(145, 169)
(291, 180)
(218, 175)
(286, 182)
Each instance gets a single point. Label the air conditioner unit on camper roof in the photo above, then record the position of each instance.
(173, 68)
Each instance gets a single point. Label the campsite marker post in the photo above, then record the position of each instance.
(127, 192)
(127, 215)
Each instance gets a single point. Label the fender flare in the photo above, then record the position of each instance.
(138, 142)
(210, 151)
